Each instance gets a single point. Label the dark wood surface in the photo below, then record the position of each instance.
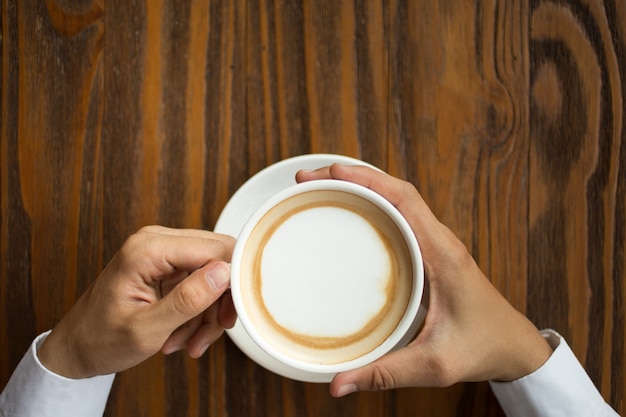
(507, 115)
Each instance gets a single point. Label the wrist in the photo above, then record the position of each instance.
(538, 355)
(528, 354)
(55, 354)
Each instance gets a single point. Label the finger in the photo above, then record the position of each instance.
(221, 315)
(402, 194)
(317, 174)
(359, 174)
(179, 339)
(169, 235)
(227, 314)
(407, 367)
(199, 333)
(191, 297)
(197, 233)
(189, 253)
(170, 282)
(155, 255)
(209, 331)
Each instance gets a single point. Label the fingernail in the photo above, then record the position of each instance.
(171, 350)
(204, 349)
(346, 389)
(218, 277)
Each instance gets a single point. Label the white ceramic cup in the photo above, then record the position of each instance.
(327, 276)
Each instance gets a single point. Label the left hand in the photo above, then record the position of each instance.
(465, 311)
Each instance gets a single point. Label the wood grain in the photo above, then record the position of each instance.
(507, 115)
(576, 210)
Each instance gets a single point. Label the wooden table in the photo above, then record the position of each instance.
(508, 116)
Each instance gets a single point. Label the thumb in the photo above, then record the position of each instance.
(192, 296)
(406, 367)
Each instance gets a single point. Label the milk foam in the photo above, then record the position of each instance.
(340, 270)
(325, 276)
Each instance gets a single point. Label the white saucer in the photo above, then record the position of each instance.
(239, 208)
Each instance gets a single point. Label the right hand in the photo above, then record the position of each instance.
(471, 333)
(164, 290)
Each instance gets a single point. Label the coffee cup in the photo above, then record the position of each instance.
(327, 276)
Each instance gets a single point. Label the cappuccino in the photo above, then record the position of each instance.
(325, 276)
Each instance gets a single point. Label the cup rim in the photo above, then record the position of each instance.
(408, 321)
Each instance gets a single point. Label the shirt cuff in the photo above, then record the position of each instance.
(560, 387)
(33, 390)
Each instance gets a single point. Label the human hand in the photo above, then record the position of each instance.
(470, 333)
(164, 290)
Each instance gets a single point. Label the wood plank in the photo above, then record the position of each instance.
(459, 132)
(576, 280)
(52, 110)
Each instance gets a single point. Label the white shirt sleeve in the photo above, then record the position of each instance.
(560, 387)
(33, 390)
